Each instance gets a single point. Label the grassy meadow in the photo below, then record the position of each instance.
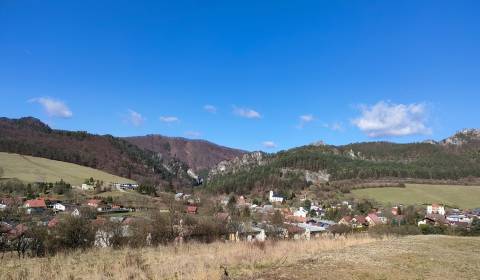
(361, 257)
(34, 169)
(451, 195)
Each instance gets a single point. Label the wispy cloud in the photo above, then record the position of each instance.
(269, 144)
(134, 118)
(53, 107)
(304, 119)
(193, 134)
(246, 113)
(335, 126)
(169, 119)
(389, 119)
(210, 108)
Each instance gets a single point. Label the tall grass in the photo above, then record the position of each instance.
(188, 261)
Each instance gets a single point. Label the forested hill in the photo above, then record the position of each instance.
(454, 158)
(200, 155)
(29, 136)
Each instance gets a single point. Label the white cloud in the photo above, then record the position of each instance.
(335, 126)
(269, 144)
(304, 119)
(210, 108)
(389, 119)
(169, 119)
(246, 113)
(135, 118)
(53, 107)
(193, 134)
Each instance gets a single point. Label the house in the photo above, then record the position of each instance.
(87, 187)
(312, 230)
(35, 206)
(94, 203)
(301, 212)
(345, 221)
(59, 207)
(295, 232)
(357, 221)
(248, 233)
(373, 220)
(459, 218)
(35, 203)
(434, 220)
(326, 223)
(192, 209)
(436, 209)
(275, 198)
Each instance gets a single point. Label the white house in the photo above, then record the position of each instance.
(59, 207)
(436, 209)
(87, 187)
(275, 198)
(301, 212)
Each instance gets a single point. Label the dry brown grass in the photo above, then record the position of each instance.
(416, 257)
(189, 261)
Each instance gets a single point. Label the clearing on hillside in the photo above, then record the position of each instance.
(451, 195)
(35, 169)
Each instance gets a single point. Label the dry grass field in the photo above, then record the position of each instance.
(413, 257)
(35, 169)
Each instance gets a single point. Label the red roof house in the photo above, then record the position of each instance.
(373, 219)
(35, 203)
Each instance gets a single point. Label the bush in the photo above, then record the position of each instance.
(382, 230)
(74, 233)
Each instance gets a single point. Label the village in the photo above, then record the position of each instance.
(235, 218)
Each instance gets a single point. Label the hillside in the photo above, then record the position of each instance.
(35, 169)
(455, 196)
(198, 154)
(323, 164)
(412, 257)
(29, 136)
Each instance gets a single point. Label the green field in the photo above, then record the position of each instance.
(454, 196)
(34, 169)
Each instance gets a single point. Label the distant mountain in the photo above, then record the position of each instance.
(455, 158)
(29, 136)
(200, 155)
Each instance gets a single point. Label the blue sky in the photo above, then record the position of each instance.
(266, 75)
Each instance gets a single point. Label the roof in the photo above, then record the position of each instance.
(94, 201)
(294, 229)
(36, 203)
(374, 217)
(436, 217)
(347, 219)
(311, 228)
(360, 219)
